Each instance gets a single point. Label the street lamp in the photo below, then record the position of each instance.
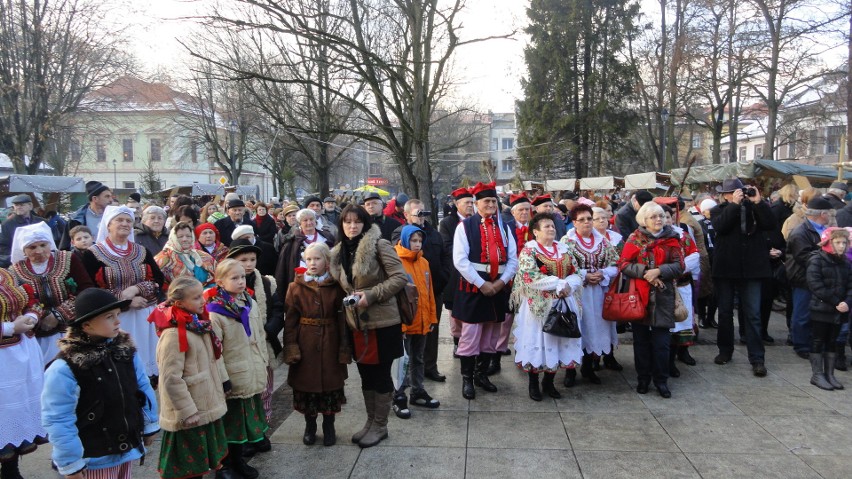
(664, 115)
(233, 129)
(114, 174)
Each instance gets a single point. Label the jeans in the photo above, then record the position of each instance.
(430, 353)
(800, 323)
(748, 292)
(843, 337)
(414, 346)
(651, 353)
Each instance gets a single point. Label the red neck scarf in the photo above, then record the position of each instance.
(493, 250)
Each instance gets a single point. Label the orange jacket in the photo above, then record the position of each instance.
(418, 272)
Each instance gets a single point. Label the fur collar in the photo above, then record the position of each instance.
(80, 352)
(365, 262)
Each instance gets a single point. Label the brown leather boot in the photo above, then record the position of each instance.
(369, 406)
(379, 429)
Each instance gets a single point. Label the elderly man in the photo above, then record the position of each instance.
(544, 204)
(625, 217)
(236, 217)
(485, 254)
(440, 260)
(463, 202)
(836, 194)
(740, 264)
(23, 215)
(373, 204)
(330, 211)
(100, 196)
(803, 241)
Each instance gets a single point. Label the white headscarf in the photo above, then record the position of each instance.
(29, 234)
(109, 214)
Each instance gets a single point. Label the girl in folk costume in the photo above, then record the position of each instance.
(236, 320)
(129, 272)
(56, 276)
(546, 273)
(316, 345)
(208, 241)
(180, 258)
(683, 333)
(98, 405)
(271, 309)
(193, 402)
(596, 258)
(21, 383)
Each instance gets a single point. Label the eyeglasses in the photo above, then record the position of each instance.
(584, 219)
(656, 217)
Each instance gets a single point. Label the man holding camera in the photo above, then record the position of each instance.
(740, 263)
(440, 260)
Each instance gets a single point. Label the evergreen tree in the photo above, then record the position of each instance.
(575, 116)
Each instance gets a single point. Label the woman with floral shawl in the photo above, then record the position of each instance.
(180, 258)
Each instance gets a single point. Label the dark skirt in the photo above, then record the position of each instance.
(313, 404)
(376, 346)
(245, 420)
(192, 452)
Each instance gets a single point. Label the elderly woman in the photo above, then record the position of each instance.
(264, 224)
(367, 267)
(601, 223)
(180, 258)
(595, 258)
(56, 276)
(652, 256)
(546, 272)
(288, 222)
(294, 244)
(128, 271)
(152, 233)
(207, 240)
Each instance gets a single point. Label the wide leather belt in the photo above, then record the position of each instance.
(316, 321)
(486, 268)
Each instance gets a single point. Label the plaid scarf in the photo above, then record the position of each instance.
(221, 302)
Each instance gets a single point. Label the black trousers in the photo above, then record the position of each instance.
(376, 377)
(824, 337)
(430, 354)
(651, 353)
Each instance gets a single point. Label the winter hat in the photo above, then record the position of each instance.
(405, 235)
(830, 234)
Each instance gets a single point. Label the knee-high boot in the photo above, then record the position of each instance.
(535, 392)
(369, 406)
(9, 469)
(587, 371)
(480, 378)
(547, 386)
(379, 430)
(329, 435)
(673, 370)
(468, 365)
(830, 359)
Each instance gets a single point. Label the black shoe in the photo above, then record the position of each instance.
(587, 371)
(227, 473)
(685, 357)
(788, 342)
(423, 399)
(435, 376)
(570, 378)
(506, 352)
(494, 365)
(240, 466)
(547, 386)
(245, 470)
(768, 339)
(758, 369)
(468, 391)
(400, 407)
(310, 436)
(663, 389)
(481, 380)
(803, 354)
(596, 364)
(722, 358)
(642, 387)
(609, 362)
(535, 392)
(329, 435)
(743, 339)
(674, 372)
(250, 449)
(468, 365)
(709, 323)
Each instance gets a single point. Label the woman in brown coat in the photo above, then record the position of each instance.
(315, 344)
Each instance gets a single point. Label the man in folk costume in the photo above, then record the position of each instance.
(519, 226)
(463, 201)
(485, 254)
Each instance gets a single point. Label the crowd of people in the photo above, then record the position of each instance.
(172, 319)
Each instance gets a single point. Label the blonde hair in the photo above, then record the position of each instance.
(225, 266)
(179, 287)
(789, 194)
(646, 210)
(323, 250)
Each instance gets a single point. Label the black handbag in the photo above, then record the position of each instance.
(562, 323)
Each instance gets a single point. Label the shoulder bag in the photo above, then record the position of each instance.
(562, 321)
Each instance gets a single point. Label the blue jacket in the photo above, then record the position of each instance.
(59, 418)
(76, 218)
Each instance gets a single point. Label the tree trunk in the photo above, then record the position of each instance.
(849, 94)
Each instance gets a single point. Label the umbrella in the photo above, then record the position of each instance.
(373, 189)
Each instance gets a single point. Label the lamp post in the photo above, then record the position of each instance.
(114, 174)
(233, 160)
(664, 115)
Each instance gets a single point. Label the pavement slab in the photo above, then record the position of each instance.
(630, 465)
(769, 466)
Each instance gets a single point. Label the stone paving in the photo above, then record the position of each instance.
(721, 422)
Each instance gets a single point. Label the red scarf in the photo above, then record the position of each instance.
(165, 316)
(493, 250)
(642, 249)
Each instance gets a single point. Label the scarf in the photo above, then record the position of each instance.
(319, 279)
(347, 253)
(221, 302)
(189, 257)
(166, 316)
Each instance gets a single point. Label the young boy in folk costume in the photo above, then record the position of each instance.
(192, 401)
(236, 321)
(98, 405)
(271, 310)
(316, 345)
(410, 251)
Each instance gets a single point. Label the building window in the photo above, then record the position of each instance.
(127, 149)
(696, 141)
(74, 150)
(100, 150)
(494, 144)
(129, 185)
(508, 143)
(725, 156)
(832, 139)
(193, 150)
(375, 169)
(758, 152)
(743, 153)
(155, 150)
(508, 166)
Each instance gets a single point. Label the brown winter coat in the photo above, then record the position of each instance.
(379, 284)
(244, 359)
(317, 354)
(189, 382)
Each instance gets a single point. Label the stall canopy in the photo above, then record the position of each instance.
(599, 183)
(42, 184)
(818, 175)
(551, 185)
(245, 190)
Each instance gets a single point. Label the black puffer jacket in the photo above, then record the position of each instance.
(830, 281)
(801, 244)
(741, 250)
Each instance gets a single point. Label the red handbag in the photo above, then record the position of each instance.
(626, 306)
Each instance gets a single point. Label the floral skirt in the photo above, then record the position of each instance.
(245, 420)
(312, 404)
(192, 452)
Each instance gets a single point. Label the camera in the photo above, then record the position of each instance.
(350, 301)
(750, 191)
(424, 214)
